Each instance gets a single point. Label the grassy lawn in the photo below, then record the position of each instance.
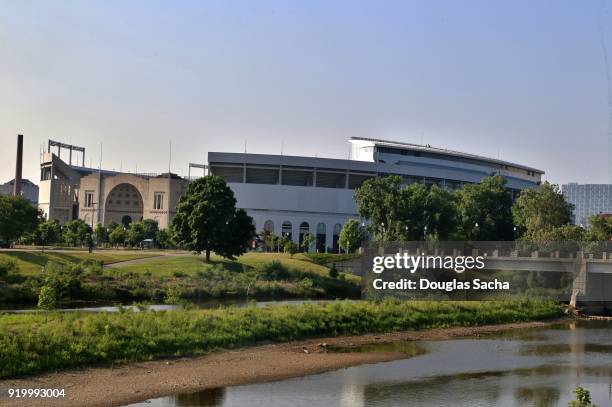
(30, 262)
(191, 265)
(35, 343)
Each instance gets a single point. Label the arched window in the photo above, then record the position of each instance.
(337, 229)
(269, 226)
(304, 228)
(321, 237)
(287, 229)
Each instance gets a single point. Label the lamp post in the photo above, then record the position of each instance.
(425, 233)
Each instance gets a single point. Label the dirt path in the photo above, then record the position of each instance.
(104, 386)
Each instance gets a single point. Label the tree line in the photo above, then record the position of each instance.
(477, 212)
(207, 219)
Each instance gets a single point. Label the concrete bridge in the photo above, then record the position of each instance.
(590, 273)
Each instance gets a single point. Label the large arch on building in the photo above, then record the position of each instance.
(124, 204)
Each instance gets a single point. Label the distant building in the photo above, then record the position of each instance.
(588, 200)
(29, 190)
(69, 192)
(295, 195)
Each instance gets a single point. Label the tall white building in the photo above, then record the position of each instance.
(588, 200)
(294, 195)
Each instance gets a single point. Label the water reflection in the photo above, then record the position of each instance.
(535, 367)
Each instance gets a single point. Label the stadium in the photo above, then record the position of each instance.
(287, 195)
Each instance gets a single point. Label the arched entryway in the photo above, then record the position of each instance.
(269, 226)
(321, 237)
(337, 229)
(304, 228)
(124, 205)
(287, 229)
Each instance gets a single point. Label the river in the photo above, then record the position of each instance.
(531, 367)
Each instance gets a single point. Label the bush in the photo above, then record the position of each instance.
(8, 266)
(583, 398)
(47, 299)
(333, 272)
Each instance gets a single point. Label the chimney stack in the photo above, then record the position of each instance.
(18, 167)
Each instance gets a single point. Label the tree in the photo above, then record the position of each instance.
(308, 240)
(380, 200)
(237, 236)
(118, 235)
(207, 220)
(17, 217)
(48, 231)
(290, 247)
(485, 210)
(351, 235)
(47, 298)
(102, 233)
(601, 227)
(150, 227)
(270, 240)
(540, 210)
(163, 238)
(399, 212)
(136, 233)
(76, 232)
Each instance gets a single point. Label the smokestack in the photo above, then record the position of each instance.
(18, 167)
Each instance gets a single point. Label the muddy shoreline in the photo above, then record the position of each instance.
(136, 382)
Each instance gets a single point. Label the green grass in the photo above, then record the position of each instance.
(31, 262)
(35, 343)
(298, 261)
(327, 258)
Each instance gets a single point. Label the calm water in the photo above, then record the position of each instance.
(78, 307)
(536, 367)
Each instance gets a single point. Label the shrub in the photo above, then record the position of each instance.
(333, 272)
(47, 299)
(8, 266)
(583, 398)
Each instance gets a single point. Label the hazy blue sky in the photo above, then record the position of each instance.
(522, 80)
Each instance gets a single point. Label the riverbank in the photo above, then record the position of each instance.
(35, 343)
(141, 381)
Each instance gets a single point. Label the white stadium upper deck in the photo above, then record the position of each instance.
(295, 195)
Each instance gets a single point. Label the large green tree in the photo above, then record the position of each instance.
(207, 220)
(17, 217)
(538, 211)
(399, 212)
(48, 232)
(76, 232)
(485, 210)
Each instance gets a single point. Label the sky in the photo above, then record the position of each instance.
(524, 81)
